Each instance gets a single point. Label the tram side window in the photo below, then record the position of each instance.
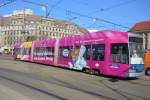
(38, 51)
(65, 52)
(29, 51)
(20, 50)
(87, 52)
(49, 52)
(24, 51)
(42, 49)
(53, 51)
(119, 53)
(98, 52)
(35, 51)
(16, 50)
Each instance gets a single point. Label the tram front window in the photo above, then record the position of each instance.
(136, 50)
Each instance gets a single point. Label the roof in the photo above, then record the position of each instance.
(141, 26)
(103, 36)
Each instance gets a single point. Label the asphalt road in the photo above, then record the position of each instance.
(30, 81)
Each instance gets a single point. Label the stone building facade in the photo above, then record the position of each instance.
(22, 25)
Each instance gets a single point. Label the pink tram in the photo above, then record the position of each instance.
(106, 52)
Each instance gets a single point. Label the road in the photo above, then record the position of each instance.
(30, 81)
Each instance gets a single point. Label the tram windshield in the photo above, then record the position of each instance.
(136, 50)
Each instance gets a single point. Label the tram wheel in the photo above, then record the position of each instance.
(91, 72)
(96, 72)
(86, 70)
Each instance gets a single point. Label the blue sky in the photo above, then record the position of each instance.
(124, 12)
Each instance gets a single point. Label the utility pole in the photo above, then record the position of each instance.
(24, 23)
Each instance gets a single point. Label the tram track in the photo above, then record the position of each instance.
(31, 87)
(123, 93)
(56, 82)
(91, 85)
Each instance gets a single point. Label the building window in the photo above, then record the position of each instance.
(32, 22)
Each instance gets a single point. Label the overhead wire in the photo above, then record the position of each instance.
(6, 2)
(91, 17)
(99, 19)
(81, 2)
(104, 9)
(53, 6)
(114, 6)
(83, 15)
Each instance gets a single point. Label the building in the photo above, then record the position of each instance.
(22, 25)
(143, 28)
